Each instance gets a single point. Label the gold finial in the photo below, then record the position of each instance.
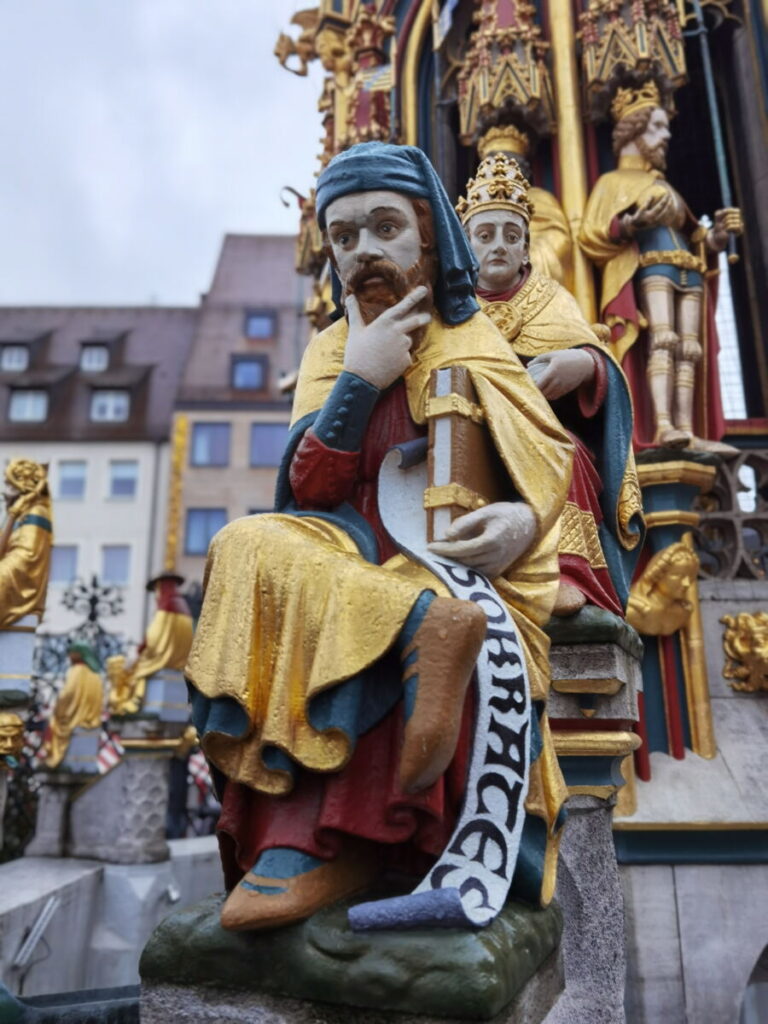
(26, 476)
(628, 101)
(503, 138)
(498, 185)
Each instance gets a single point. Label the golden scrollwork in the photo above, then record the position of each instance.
(11, 734)
(660, 600)
(505, 69)
(745, 644)
(622, 38)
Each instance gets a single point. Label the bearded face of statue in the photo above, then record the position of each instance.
(499, 239)
(654, 141)
(11, 735)
(378, 248)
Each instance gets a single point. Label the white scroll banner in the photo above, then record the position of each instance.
(468, 885)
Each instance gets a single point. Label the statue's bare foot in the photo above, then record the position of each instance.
(287, 885)
(701, 444)
(672, 438)
(446, 646)
(569, 600)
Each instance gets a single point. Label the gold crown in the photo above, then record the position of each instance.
(26, 476)
(503, 138)
(498, 185)
(628, 101)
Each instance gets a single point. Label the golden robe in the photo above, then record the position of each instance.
(25, 566)
(551, 243)
(292, 609)
(543, 317)
(166, 645)
(79, 706)
(632, 184)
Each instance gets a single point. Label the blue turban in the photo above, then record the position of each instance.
(374, 166)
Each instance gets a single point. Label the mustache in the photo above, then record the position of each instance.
(390, 274)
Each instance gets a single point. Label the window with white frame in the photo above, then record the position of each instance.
(202, 524)
(72, 479)
(28, 405)
(14, 358)
(94, 358)
(210, 444)
(63, 564)
(116, 564)
(110, 406)
(123, 478)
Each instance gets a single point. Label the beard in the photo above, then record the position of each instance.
(390, 284)
(655, 155)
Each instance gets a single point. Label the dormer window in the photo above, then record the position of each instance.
(14, 358)
(28, 405)
(94, 358)
(110, 406)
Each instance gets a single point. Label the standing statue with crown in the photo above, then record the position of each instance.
(656, 258)
(575, 371)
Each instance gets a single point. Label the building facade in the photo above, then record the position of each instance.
(90, 392)
(231, 415)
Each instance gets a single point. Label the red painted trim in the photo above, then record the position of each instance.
(672, 698)
(642, 756)
(590, 725)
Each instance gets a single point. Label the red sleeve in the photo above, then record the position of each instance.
(592, 394)
(614, 231)
(322, 477)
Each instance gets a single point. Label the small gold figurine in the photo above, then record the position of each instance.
(745, 643)
(79, 704)
(166, 645)
(25, 541)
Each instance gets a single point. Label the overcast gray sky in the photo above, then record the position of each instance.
(137, 132)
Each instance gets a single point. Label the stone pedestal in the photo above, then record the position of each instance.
(121, 819)
(321, 972)
(17, 644)
(590, 894)
(56, 789)
(595, 681)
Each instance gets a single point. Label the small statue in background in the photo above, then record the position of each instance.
(79, 704)
(575, 371)
(655, 257)
(25, 541)
(166, 645)
(550, 236)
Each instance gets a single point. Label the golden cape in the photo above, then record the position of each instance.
(543, 317)
(615, 192)
(79, 705)
(24, 567)
(551, 243)
(292, 609)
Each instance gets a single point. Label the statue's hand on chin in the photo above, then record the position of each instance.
(489, 539)
(380, 351)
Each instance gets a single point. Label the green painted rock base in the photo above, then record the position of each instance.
(445, 973)
(591, 625)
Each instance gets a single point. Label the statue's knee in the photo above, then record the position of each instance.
(690, 350)
(663, 339)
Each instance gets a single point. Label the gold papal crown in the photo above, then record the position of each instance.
(628, 101)
(498, 185)
(503, 138)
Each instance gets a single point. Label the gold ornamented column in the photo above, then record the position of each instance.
(570, 139)
(179, 445)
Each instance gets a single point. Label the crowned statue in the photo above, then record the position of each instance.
(331, 666)
(166, 645)
(79, 705)
(550, 246)
(576, 373)
(656, 260)
(25, 541)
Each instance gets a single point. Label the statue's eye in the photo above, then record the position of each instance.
(387, 228)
